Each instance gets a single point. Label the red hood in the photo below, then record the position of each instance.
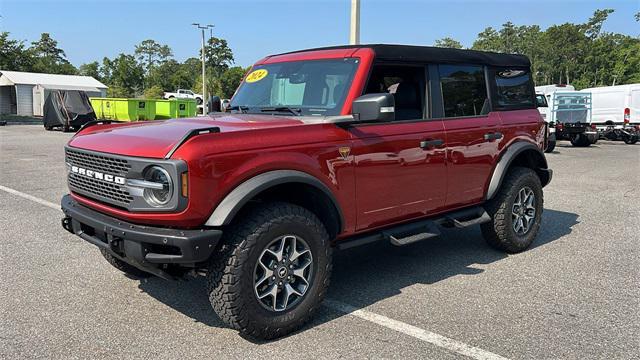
(154, 139)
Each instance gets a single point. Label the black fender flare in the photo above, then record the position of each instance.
(507, 158)
(227, 209)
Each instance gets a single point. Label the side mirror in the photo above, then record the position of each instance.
(214, 104)
(374, 107)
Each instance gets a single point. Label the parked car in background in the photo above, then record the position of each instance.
(319, 149)
(184, 94)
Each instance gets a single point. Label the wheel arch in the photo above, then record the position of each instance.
(523, 154)
(292, 186)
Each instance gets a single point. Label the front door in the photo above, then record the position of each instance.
(400, 167)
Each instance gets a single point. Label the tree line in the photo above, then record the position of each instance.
(579, 54)
(147, 72)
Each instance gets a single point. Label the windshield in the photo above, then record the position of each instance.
(315, 87)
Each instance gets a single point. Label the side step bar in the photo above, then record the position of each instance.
(410, 233)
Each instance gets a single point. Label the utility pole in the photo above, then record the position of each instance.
(354, 36)
(204, 79)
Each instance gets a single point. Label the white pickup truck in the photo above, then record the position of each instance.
(183, 94)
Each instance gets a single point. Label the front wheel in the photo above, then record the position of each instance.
(199, 101)
(516, 212)
(272, 271)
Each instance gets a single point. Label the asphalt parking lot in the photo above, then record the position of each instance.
(575, 294)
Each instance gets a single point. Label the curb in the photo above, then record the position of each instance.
(6, 123)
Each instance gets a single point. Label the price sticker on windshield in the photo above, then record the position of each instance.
(256, 75)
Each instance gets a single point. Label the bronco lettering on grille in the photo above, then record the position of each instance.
(98, 175)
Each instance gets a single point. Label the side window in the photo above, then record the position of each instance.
(514, 89)
(464, 90)
(406, 83)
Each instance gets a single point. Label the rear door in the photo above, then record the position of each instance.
(399, 165)
(473, 131)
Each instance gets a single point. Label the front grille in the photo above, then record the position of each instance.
(98, 162)
(96, 188)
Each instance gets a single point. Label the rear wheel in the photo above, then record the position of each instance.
(630, 140)
(550, 146)
(123, 266)
(580, 140)
(516, 212)
(271, 272)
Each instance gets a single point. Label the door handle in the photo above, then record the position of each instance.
(428, 144)
(493, 136)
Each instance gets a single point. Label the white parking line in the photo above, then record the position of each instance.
(30, 197)
(413, 331)
(416, 332)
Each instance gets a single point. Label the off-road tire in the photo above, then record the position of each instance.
(580, 140)
(124, 267)
(550, 146)
(499, 232)
(230, 273)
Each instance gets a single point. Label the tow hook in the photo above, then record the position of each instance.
(66, 224)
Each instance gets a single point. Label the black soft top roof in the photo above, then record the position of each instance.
(435, 54)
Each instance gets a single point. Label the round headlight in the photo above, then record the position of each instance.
(159, 196)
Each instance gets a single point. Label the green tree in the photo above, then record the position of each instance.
(595, 22)
(14, 55)
(230, 80)
(150, 53)
(448, 42)
(49, 58)
(90, 69)
(218, 55)
(153, 92)
(123, 75)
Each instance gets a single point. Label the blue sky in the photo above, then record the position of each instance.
(89, 30)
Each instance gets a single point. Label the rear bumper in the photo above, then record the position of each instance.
(145, 247)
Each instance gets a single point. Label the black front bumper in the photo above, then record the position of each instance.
(145, 247)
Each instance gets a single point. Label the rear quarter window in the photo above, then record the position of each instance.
(513, 89)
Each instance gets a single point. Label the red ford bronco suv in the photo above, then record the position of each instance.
(319, 149)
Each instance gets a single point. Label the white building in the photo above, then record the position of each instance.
(24, 93)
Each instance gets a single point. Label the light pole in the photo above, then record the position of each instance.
(354, 35)
(204, 88)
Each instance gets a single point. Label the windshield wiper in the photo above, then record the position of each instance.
(242, 108)
(294, 111)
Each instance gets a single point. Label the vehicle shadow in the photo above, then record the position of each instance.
(365, 275)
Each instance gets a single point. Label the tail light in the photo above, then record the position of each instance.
(593, 126)
(638, 127)
(559, 126)
(627, 116)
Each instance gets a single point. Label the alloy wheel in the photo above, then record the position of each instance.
(523, 211)
(283, 273)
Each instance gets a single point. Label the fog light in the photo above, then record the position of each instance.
(158, 196)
